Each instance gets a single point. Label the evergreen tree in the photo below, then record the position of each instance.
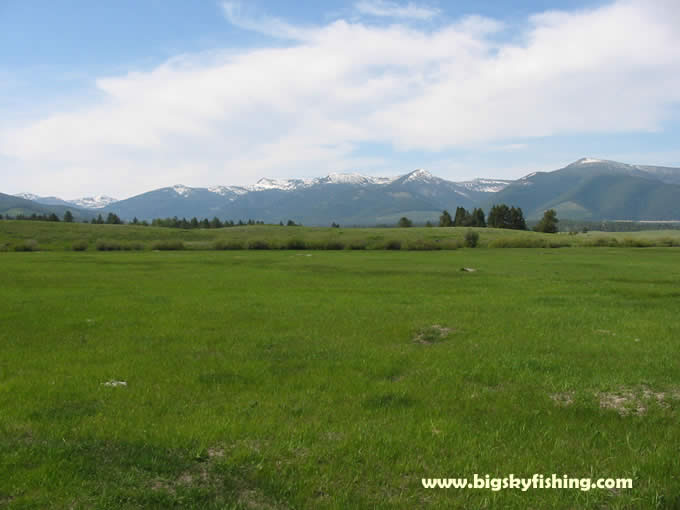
(68, 217)
(517, 219)
(404, 222)
(53, 217)
(548, 223)
(445, 219)
(462, 217)
(113, 219)
(216, 223)
(497, 215)
(478, 219)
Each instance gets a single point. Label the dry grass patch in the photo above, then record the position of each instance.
(432, 334)
(629, 401)
(563, 399)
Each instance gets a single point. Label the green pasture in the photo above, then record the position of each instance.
(334, 379)
(63, 236)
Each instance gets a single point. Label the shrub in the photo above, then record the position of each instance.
(394, 244)
(316, 245)
(133, 245)
(451, 244)
(423, 245)
(258, 244)
(27, 245)
(471, 238)
(668, 241)
(601, 242)
(107, 245)
(335, 245)
(637, 243)
(518, 242)
(296, 244)
(168, 245)
(228, 245)
(80, 245)
(359, 244)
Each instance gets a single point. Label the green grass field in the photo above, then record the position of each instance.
(315, 379)
(62, 236)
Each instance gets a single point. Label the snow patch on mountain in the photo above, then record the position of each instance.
(348, 178)
(226, 191)
(419, 175)
(27, 196)
(588, 161)
(96, 202)
(278, 184)
(182, 190)
(485, 185)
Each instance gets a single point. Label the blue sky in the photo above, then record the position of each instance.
(122, 97)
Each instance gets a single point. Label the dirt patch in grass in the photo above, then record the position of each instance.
(255, 500)
(204, 474)
(633, 401)
(432, 334)
(564, 399)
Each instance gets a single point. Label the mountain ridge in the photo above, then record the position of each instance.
(588, 188)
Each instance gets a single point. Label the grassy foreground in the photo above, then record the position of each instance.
(287, 379)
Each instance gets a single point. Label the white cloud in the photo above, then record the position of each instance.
(243, 17)
(385, 8)
(232, 116)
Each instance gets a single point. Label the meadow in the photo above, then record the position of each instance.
(333, 379)
(65, 236)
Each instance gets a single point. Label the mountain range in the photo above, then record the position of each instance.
(588, 189)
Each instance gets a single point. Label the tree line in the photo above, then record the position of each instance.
(500, 216)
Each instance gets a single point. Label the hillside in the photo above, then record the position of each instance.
(14, 206)
(598, 189)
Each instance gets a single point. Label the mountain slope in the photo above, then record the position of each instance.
(14, 206)
(597, 189)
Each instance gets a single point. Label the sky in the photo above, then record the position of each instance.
(123, 97)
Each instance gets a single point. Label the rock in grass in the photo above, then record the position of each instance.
(114, 383)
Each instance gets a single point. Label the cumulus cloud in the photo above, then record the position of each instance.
(305, 107)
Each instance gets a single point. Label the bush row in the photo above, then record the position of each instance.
(527, 242)
(300, 244)
(359, 244)
(631, 242)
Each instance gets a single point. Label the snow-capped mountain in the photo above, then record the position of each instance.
(588, 188)
(98, 202)
(348, 197)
